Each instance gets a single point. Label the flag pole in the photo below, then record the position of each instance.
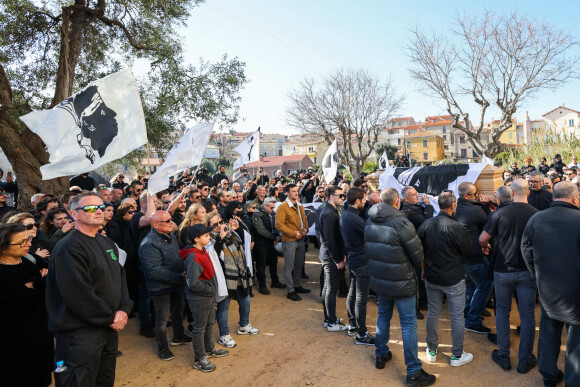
(148, 161)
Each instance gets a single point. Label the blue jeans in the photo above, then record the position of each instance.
(408, 318)
(549, 342)
(244, 306)
(221, 316)
(525, 287)
(477, 292)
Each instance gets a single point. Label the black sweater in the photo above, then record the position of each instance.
(85, 284)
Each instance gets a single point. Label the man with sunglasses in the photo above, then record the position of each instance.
(163, 271)
(86, 298)
(539, 198)
(135, 190)
(203, 188)
(332, 256)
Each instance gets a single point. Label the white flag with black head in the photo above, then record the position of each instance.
(99, 124)
(383, 161)
(330, 163)
(249, 150)
(187, 152)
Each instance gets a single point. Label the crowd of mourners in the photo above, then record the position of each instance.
(77, 267)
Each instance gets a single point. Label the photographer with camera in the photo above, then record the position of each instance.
(241, 176)
(309, 189)
(203, 176)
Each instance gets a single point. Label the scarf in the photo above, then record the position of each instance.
(235, 269)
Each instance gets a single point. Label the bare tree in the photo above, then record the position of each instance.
(500, 60)
(350, 105)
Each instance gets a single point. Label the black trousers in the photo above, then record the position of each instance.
(265, 255)
(90, 358)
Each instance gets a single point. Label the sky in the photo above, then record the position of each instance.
(284, 42)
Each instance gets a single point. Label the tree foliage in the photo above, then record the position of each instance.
(390, 149)
(349, 105)
(495, 60)
(51, 49)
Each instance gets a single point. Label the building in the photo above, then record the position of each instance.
(287, 164)
(563, 120)
(313, 147)
(424, 147)
(211, 152)
(271, 144)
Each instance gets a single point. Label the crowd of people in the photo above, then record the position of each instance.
(76, 268)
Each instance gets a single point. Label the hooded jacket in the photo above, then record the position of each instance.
(550, 250)
(394, 251)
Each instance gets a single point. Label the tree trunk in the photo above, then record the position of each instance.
(26, 153)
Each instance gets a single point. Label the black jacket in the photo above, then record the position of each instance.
(540, 200)
(550, 250)
(544, 168)
(417, 214)
(558, 165)
(161, 264)
(473, 218)
(85, 284)
(331, 243)
(84, 183)
(445, 241)
(352, 227)
(394, 251)
(218, 177)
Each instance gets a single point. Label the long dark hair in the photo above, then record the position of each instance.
(6, 232)
(45, 223)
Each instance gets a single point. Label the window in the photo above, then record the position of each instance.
(446, 147)
(570, 123)
(398, 141)
(425, 156)
(445, 137)
(510, 135)
(463, 153)
(461, 139)
(444, 130)
(314, 159)
(425, 142)
(408, 144)
(311, 150)
(475, 153)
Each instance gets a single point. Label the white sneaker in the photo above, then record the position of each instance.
(227, 341)
(464, 359)
(431, 355)
(351, 330)
(247, 330)
(337, 327)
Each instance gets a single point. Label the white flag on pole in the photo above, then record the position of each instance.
(249, 150)
(383, 161)
(330, 163)
(188, 151)
(99, 124)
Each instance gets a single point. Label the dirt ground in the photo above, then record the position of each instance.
(293, 349)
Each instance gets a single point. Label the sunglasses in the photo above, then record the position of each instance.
(30, 226)
(204, 189)
(121, 177)
(197, 197)
(218, 223)
(92, 208)
(165, 221)
(137, 190)
(131, 211)
(166, 201)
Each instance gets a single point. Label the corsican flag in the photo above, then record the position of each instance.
(188, 151)
(99, 124)
(383, 161)
(330, 163)
(249, 150)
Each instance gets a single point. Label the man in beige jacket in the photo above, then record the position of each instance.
(292, 223)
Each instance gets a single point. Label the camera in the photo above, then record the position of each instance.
(203, 170)
(244, 170)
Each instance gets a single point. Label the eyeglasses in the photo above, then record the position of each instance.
(568, 174)
(472, 194)
(136, 190)
(131, 211)
(92, 208)
(30, 226)
(197, 197)
(164, 221)
(204, 189)
(218, 223)
(22, 243)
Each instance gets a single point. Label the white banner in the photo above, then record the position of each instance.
(99, 124)
(249, 150)
(187, 152)
(330, 163)
(383, 161)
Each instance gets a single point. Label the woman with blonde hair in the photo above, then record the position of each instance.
(195, 214)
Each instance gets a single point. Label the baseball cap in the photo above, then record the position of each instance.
(197, 230)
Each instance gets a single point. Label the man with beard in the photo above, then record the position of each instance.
(472, 216)
(417, 214)
(539, 198)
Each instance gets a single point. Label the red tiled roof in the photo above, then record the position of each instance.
(401, 119)
(419, 134)
(276, 160)
(560, 107)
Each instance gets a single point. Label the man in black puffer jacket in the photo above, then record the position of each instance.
(550, 250)
(394, 251)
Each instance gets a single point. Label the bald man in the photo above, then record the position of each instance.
(163, 271)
